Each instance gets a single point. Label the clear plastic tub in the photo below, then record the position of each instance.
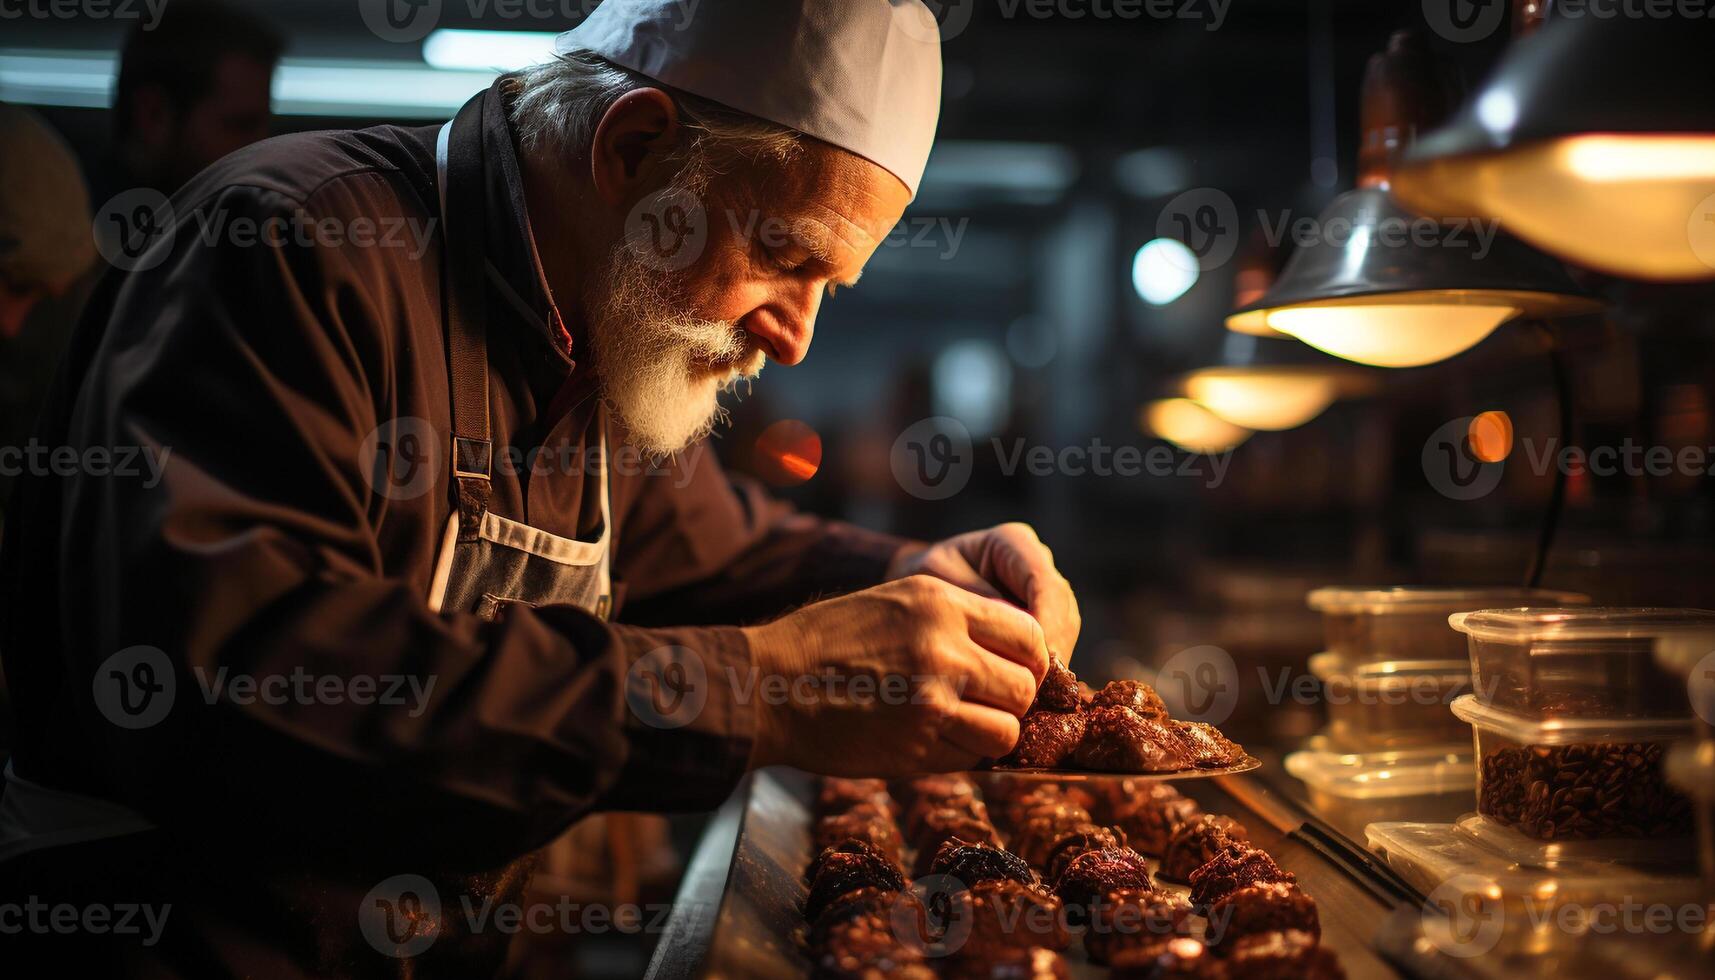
(1391, 703)
(1410, 622)
(1690, 768)
(1578, 662)
(1561, 781)
(1690, 656)
(1354, 789)
(1498, 907)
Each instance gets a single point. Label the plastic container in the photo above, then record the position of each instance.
(1352, 790)
(1391, 703)
(1498, 907)
(1690, 768)
(1595, 662)
(1409, 622)
(1563, 781)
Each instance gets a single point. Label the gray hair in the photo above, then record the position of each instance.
(559, 104)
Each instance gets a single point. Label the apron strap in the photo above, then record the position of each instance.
(462, 194)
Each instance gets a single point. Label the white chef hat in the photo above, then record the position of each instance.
(864, 75)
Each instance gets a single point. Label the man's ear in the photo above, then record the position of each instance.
(638, 130)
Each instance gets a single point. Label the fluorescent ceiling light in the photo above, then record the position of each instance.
(487, 50)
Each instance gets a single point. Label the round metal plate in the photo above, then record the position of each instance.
(1248, 763)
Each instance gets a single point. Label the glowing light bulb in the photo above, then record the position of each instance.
(1391, 334)
(1191, 427)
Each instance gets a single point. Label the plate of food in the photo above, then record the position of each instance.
(1124, 729)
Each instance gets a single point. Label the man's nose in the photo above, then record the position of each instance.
(785, 327)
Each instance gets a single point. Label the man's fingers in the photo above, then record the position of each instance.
(977, 728)
(994, 681)
(952, 566)
(1008, 631)
(1023, 565)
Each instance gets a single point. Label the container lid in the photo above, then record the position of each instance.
(1565, 730)
(1383, 775)
(1430, 854)
(1331, 666)
(1412, 600)
(1527, 624)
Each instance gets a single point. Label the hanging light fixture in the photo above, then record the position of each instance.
(1191, 427)
(1380, 285)
(1594, 140)
(1271, 385)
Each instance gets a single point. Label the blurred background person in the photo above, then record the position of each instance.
(191, 88)
(46, 266)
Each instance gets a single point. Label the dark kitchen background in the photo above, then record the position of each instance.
(1012, 300)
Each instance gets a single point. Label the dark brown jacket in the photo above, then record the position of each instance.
(256, 371)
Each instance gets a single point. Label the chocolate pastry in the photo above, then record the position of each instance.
(865, 822)
(1168, 960)
(1286, 955)
(1121, 740)
(1008, 964)
(868, 902)
(866, 947)
(1093, 874)
(1007, 913)
(1046, 739)
(1209, 748)
(1231, 870)
(1130, 917)
(1043, 828)
(942, 826)
(1194, 843)
(1267, 906)
(851, 845)
(839, 795)
(971, 863)
(839, 873)
(1136, 695)
(938, 793)
(1071, 843)
(1151, 824)
(1058, 690)
(1015, 810)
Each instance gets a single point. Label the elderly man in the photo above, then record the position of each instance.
(435, 474)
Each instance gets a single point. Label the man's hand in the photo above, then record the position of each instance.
(915, 675)
(1007, 562)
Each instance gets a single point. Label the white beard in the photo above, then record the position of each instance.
(662, 372)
